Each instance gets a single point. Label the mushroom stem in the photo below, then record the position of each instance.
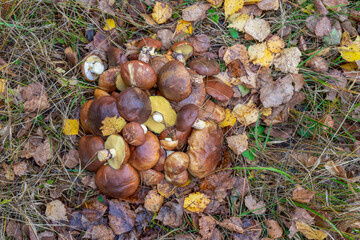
(97, 68)
(179, 56)
(106, 154)
(144, 128)
(199, 124)
(158, 117)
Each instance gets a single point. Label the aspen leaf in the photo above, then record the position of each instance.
(258, 28)
(70, 126)
(351, 52)
(161, 12)
(261, 55)
(309, 232)
(238, 143)
(229, 120)
(112, 125)
(275, 44)
(109, 24)
(238, 21)
(352, 66)
(196, 202)
(247, 113)
(288, 60)
(183, 28)
(232, 6)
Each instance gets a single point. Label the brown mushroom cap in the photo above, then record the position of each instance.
(100, 109)
(136, 73)
(182, 50)
(205, 66)
(146, 155)
(116, 56)
(88, 148)
(149, 42)
(107, 80)
(186, 117)
(218, 89)
(205, 147)
(158, 62)
(119, 183)
(211, 110)
(169, 144)
(133, 134)
(177, 179)
(159, 166)
(176, 163)
(134, 105)
(174, 81)
(84, 116)
(151, 177)
(174, 134)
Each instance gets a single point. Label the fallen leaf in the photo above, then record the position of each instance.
(70, 127)
(71, 159)
(333, 38)
(71, 56)
(207, 225)
(337, 81)
(105, 6)
(109, 24)
(258, 28)
(241, 187)
(247, 113)
(236, 51)
(299, 214)
(171, 214)
(232, 6)
(229, 120)
(274, 229)
(335, 3)
(165, 189)
(200, 42)
(8, 173)
(257, 51)
(350, 52)
(309, 232)
(196, 202)
(161, 12)
(99, 232)
(42, 153)
(4, 68)
(238, 21)
(165, 36)
(302, 195)
(318, 64)
(336, 170)
(89, 181)
(183, 29)
(275, 44)
(153, 201)
(257, 207)
(112, 125)
(13, 229)
(323, 27)
(20, 169)
(252, 230)
(35, 97)
(288, 60)
(264, 57)
(233, 224)
(268, 4)
(56, 211)
(320, 8)
(235, 70)
(238, 143)
(148, 19)
(195, 12)
(121, 217)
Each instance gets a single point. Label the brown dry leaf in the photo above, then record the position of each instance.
(257, 51)
(112, 125)
(336, 170)
(104, 6)
(236, 51)
(268, 5)
(7, 172)
(288, 60)
(257, 207)
(20, 169)
(196, 202)
(258, 28)
(216, 3)
(309, 232)
(195, 12)
(13, 229)
(71, 159)
(236, 70)
(274, 229)
(35, 97)
(99, 232)
(43, 153)
(233, 224)
(71, 56)
(165, 189)
(334, 3)
(275, 44)
(171, 214)
(161, 12)
(207, 225)
(247, 113)
(4, 68)
(338, 82)
(238, 143)
(241, 187)
(232, 6)
(323, 27)
(148, 19)
(153, 201)
(318, 64)
(200, 42)
(89, 181)
(320, 8)
(299, 214)
(56, 211)
(165, 35)
(302, 195)
(252, 230)
(121, 217)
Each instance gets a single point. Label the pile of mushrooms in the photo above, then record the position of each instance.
(171, 127)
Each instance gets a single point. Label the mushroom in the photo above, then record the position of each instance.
(205, 66)
(151, 177)
(92, 67)
(177, 179)
(187, 118)
(134, 133)
(107, 80)
(174, 81)
(211, 110)
(205, 147)
(148, 47)
(134, 105)
(176, 163)
(116, 56)
(158, 62)
(84, 116)
(136, 73)
(182, 51)
(88, 148)
(145, 156)
(116, 151)
(169, 143)
(120, 85)
(174, 134)
(117, 183)
(98, 93)
(159, 166)
(218, 89)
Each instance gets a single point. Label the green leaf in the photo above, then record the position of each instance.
(249, 154)
(213, 16)
(334, 37)
(243, 90)
(234, 33)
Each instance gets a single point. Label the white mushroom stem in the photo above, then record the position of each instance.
(168, 139)
(169, 152)
(179, 56)
(97, 68)
(199, 124)
(144, 128)
(106, 154)
(158, 117)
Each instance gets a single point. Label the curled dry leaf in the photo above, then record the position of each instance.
(207, 225)
(335, 170)
(247, 113)
(7, 172)
(238, 143)
(20, 169)
(35, 97)
(165, 189)
(288, 60)
(42, 153)
(153, 201)
(268, 5)
(71, 56)
(258, 28)
(234, 224)
(121, 217)
(196, 202)
(112, 125)
(309, 232)
(302, 195)
(299, 214)
(257, 207)
(171, 214)
(71, 159)
(99, 232)
(161, 12)
(274, 229)
(56, 211)
(195, 12)
(318, 64)
(252, 230)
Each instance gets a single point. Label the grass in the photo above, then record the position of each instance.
(33, 36)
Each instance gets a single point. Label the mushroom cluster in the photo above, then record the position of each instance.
(162, 122)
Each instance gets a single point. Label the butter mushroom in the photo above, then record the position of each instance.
(136, 73)
(88, 149)
(92, 67)
(182, 51)
(116, 151)
(134, 133)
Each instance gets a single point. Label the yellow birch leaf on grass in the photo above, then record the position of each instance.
(2, 87)
(196, 202)
(309, 232)
(238, 21)
(232, 6)
(109, 24)
(229, 120)
(112, 125)
(70, 126)
(265, 61)
(161, 12)
(351, 52)
(183, 28)
(275, 44)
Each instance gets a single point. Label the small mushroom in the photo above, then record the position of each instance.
(159, 166)
(84, 116)
(92, 68)
(187, 118)
(174, 81)
(158, 62)
(177, 179)
(175, 134)
(151, 177)
(98, 93)
(116, 56)
(205, 66)
(169, 143)
(117, 183)
(116, 151)
(107, 80)
(176, 163)
(134, 105)
(218, 89)
(134, 133)
(136, 73)
(145, 156)
(182, 51)
(88, 148)
(148, 47)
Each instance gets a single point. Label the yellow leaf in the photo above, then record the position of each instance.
(2, 87)
(275, 44)
(215, 3)
(345, 39)
(161, 12)
(70, 126)
(238, 21)
(309, 232)
(109, 24)
(229, 120)
(112, 125)
(266, 111)
(247, 2)
(232, 6)
(183, 28)
(265, 61)
(247, 113)
(352, 66)
(196, 202)
(257, 51)
(351, 52)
